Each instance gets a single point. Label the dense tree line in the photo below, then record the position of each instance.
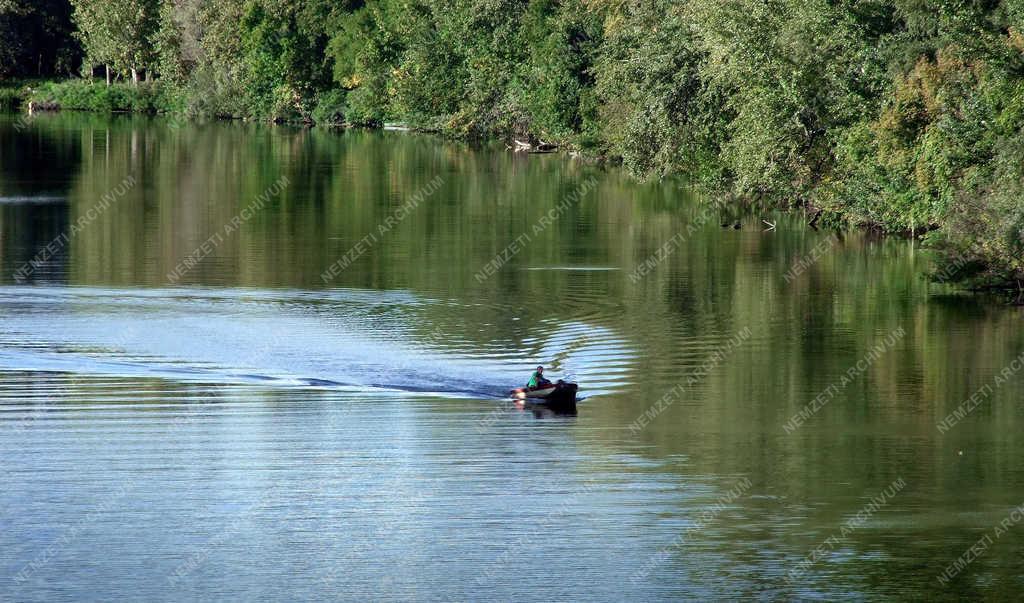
(37, 39)
(901, 114)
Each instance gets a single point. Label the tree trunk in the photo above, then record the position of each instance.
(107, 68)
(135, 76)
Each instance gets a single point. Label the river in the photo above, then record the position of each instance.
(241, 362)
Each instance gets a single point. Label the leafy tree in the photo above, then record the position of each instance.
(558, 87)
(118, 33)
(655, 110)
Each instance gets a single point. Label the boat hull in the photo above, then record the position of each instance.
(543, 392)
(559, 397)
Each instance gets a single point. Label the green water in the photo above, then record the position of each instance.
(292, 345)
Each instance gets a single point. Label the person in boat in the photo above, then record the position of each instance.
(537, 379)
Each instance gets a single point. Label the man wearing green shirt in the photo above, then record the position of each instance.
(537, 379)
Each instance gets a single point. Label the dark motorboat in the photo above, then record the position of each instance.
(559, 397)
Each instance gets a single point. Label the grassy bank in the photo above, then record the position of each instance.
(95, 95)
(157, 96)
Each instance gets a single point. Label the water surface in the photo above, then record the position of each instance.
(194, 405)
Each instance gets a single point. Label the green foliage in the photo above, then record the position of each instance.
(95, 95)
(177, 41)
(258, 59)
(118, 33)
(364, 47)
(945, 151)
(559, 83)
(655, 110)
(331, 107)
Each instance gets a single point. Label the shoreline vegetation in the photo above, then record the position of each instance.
(895, 115)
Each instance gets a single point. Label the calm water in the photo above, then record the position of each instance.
(251, 363)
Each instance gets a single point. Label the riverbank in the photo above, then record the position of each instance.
(153, 97)
(89, 95)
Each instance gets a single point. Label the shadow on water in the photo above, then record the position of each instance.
(41, 158)
(540, 411)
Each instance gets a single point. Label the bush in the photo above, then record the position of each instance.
(331, 107)
(363, 108)
(95, 95)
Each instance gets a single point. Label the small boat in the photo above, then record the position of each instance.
(559, 397)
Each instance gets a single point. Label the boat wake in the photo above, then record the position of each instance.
(359, 340)
(31, 199)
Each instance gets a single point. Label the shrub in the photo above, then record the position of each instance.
(331, 107)
(95, 95)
